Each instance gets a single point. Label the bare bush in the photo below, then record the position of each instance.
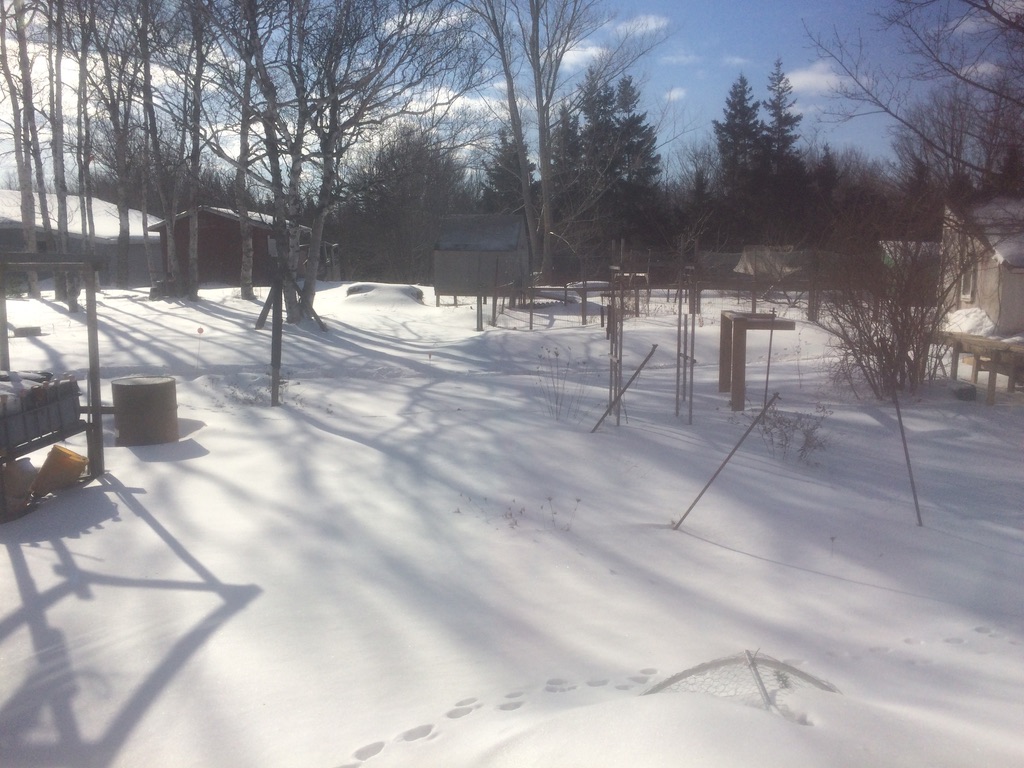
(883, 311)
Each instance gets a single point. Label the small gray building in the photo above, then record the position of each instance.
(481, 255)
(106, 223)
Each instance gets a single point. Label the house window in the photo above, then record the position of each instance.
(967, 283)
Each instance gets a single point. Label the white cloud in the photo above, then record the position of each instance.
(982, 70)
(644, 23)
(675, 94)
(682, 57)
(579, 58)
(814, 80)
(735, 61)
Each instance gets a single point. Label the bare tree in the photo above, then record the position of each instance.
(966, 53)
(536, 37)
(267, 36)
(884, 310)
(116, 86)
(501, 37)
(324, 74)
(365, 74)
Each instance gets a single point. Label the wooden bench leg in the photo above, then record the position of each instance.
(993, 372)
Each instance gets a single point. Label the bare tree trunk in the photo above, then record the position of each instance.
(495, 16)
(167, 272)
(544, 79)
(157, 271)
(67, 284)
(196, 144)
(20, 105)
(83, 146)
(241, 192)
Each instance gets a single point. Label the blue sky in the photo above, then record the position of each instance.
(711, 43)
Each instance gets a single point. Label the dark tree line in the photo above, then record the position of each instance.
(319, 114)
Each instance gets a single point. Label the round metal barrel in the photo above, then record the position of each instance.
(145, 410)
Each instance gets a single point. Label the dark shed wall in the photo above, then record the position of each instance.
(476, 254)
(475, 273)
(220, 249)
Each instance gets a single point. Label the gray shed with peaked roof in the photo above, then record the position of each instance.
(481, 255)
(987, 245)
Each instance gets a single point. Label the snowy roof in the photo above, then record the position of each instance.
(1001, 223)
(104, 214)
(481, 232)
(260, 219)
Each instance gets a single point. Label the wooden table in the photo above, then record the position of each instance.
(993, 355)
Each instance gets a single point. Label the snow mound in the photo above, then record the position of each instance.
(384, 293)
(973, 321)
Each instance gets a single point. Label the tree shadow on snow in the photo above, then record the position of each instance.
(40, 723)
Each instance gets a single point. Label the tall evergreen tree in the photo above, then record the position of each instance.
(785, 195)
(604, 161)
(739, 136)
(780, 129)
(502, 188)
(634, 195)
(566, 165)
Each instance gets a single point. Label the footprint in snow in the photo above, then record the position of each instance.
(417, 733)
(463, 708)
(558, 685)
(365, 753)
(513, 701)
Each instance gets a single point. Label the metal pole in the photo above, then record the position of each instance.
(718, 471)
(693, 354)
(628, 383)
(768, 370)
(680, 344)
(94, 437)
(906, 453)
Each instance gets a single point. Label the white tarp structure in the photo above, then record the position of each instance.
(771, 262)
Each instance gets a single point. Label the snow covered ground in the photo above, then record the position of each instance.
(412, 562)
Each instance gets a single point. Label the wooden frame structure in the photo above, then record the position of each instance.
(732, 353)
(93, 427)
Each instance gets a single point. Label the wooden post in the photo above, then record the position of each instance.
(954, 366)
(738, 390)
(277, 332)
(5, 348)
(994, 358)
(725, 354)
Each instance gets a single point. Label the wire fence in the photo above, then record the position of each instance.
(749, 678)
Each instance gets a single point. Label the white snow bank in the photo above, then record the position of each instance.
(973, 321)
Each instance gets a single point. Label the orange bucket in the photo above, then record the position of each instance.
(61, 469)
